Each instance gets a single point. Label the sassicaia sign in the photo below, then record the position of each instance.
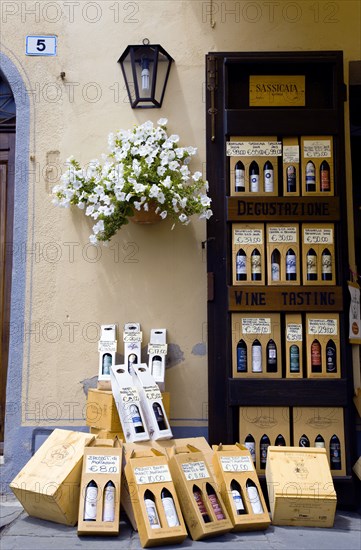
(276, 91)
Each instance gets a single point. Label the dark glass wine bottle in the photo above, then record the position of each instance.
(250, 443)
(335, 453)
(254, 177)
(151, 508)
(325, 182)
(213, 499)
(263, 447)
(256, 265)
(310, 177)
(291, 179)
(257, 356)
(294, 358)
(169, 508)
(271, 355)
(304, 441)
(241, 265)
(239, 177)
(316, 357)
(311, 265)
(319, 441)
(326, 265)
(198, 496)
(280, 441)
(268, 177)
(331, 362)
(236, 492)
(241, 356)
(90, 501)
(159, 416)
(291, 272)
(275, 265)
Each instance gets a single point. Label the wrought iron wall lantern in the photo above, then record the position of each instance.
(145, 69)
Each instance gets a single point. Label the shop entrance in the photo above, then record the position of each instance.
(7, 167)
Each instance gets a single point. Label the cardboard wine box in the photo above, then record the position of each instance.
(107, 348)
(203, 508)
(293, 345)
(100, 487)
(300, 487)
(240, 488)
(326, 422)
(247, 328)
(263, 421)
(323, 345)
(260, 150)
(157, 352)
(317, 150)
(48, 486)
(154, 499)
(283, 254)
(291, 166)
(318, 254)
(248, 254)
(101, 411)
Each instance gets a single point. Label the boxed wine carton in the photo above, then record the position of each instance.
(318, 254)
(154, 499)
(283, 254)
(291, 166)
(323, 345)
(48, 486)
(157, 351)
(317, 165)
(132, 338)
(248, 254)
(127, 400)
(101, 411)
(106, 434)
(203, 508)
(300, 487)
(152, 403)
(240, 488)
(293, 345)
(107, 348)
(100, 487)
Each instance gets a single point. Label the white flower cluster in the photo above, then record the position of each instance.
(144, 167)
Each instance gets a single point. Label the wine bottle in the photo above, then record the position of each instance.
(250, 443)
(335, 453)
(256, 265)
(197, 493)
(319, 441)
(294, 358)
(169, 508)
(239, 177)
(256, 356)
(157, 366)
(325, 183)
(90, 501)
(291, 179)
(304, 441)
(254, 177)
(159, 416)
(241, 265)
(271, 355)
(213, 499)
(268, 179)
(241, 356)
(316, 359)
(310, 177)
(106, 363)
(331, 363)
(151, 508)
(236, 492)
(326, 265)
(136, 419)
(132, 359)
(263, 447)
(275, 265)
(311, 265)
(253, 497)
(291, 273)
(280, 441)
(109, 502)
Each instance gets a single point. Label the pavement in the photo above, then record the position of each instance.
(21, 532)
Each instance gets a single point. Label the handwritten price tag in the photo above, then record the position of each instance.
(195, 470)
(318, 236)
(237, 464)
(132, 337)
(294, 332)
(254, 148)
(102, 464)
(248, 236)
(318, 148)
(259, 325)
(152, 474)
(323, 326)
(157, 349)
(282, 234)
(291, 154)
(152, 392)
(129, 395)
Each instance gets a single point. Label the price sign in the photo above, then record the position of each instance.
(327, 327)
(132, 337)
(247, 236)
(317, 148)
(105, 345)
(129, 395)
(41, 45)
(282, 234)
(318, 235)
(291, 154)
(294, 332)
(195, 470)
(259, 325)
(157, 349)
(254, 148)
(102, 464)
(236, 464)
(152, 474)
(152, 392)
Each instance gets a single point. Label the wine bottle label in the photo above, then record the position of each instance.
(241, 268)
(254, 183)
(325, 180)
(256, 264)
(254, 500)
(268, 181)
(216, 507)
(199, 501)
(237, 501)
(326, 263)
(275, 270)
(291, 179)
(239, 179)
(272, 354)
(290, 263)
(170, 511)
(315, 354)
(335, 456)
(137, 420)
(152, 513)
(294, 359)
(320, 444)
(304, 442)
(263, 449)
(256, 359)
(241, 360)
(109, 504)
(330, 359)
(311, 264)
(157, 368)
(251, 446)
(90, 503)
(310, 174)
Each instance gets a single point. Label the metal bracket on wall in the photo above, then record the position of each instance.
(212, 86)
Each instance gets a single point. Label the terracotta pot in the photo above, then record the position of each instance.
(144, 217)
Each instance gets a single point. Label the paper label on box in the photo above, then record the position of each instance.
(152, 474)
(157, 349)
(195, 470)
(294, 332)
(315, 235)
(282, 234)
(317, 148)
(129, 395)
(323, 326)
(102, 464)
(248, 236)
(104, 345)
(254, 148)
(291, 154)
(132, 336)
(257, 325)
(152, 392)
(237, 464)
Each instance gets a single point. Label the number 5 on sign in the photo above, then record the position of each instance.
(41, 45)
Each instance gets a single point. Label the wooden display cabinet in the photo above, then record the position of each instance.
(294, 100)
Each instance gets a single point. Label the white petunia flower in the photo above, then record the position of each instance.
(98, 227)
(162, 122)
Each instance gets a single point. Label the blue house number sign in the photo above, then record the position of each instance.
(41, 45)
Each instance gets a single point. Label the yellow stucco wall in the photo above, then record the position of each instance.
(151, 275)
